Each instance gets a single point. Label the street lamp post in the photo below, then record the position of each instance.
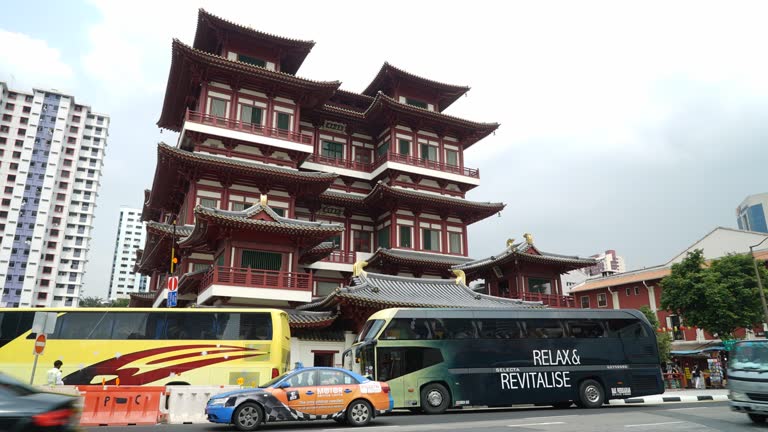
(759, 280)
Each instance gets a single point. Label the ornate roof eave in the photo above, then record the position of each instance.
(520, 251)
(244, 220)
(208, 25)
(469, 211)
(469, 132)
(448, 92)
(169, 179)
(412, 258)
(384, 291)
(317, 253)
(300, 319)
(190, 67)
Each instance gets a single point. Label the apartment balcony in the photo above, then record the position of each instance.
(551, 300)
(244, 131)
(368, 171)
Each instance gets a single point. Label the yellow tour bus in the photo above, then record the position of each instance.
(142, 346)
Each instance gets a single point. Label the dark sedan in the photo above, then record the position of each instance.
(25, 409)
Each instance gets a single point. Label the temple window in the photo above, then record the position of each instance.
(209, 202)
(429, 152)
(452, 157)
(404, 147)
(200, 266)
(279, 211)
(602, 300)
(251, 60)
(405, 236)
(336, 240)
(361, 241)
(362, 155)
(261, 260)
(416, 103)
(541, 286)
(383, 237)
(333, 150)
(382, 149)
(251, 114)
(283, 121)
(218, 107)
(454, 242)
(325, 288)
(584, 302)
(430, 239)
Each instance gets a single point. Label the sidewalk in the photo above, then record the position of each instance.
(677, 396)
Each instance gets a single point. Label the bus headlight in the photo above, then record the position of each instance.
(734, 395)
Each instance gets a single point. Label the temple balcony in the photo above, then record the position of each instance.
(229, 128)
(394, 161)
(244, 284)
(340, 260)
(551, 300)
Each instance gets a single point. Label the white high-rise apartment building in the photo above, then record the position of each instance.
(130, 237)
(51, 159)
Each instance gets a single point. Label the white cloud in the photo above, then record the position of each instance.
(26, 62)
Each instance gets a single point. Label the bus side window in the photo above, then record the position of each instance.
(83, 325)
(255, 326)
(626, 329)
(544, 328)
(588, 329)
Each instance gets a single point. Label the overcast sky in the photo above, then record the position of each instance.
(637, 128)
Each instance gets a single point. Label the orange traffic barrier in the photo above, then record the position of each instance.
(120, 406)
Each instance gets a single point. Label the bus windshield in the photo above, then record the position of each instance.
(750, 356)
(370, 330)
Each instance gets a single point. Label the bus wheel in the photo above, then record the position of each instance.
(435, 398)
(247, 417)
(591, 394)
(359, 413)
(757, 418)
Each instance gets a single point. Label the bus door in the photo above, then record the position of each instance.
(407, 368)
(639, 345)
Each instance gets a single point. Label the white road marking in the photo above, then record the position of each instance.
(535, 424)
(653, 424)
(367, 428)
(689, 408)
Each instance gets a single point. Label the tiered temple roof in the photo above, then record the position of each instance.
(385, 259)
(385, 291)
(212, 29)
(390, 77)
(525, 251)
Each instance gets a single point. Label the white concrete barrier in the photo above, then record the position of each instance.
(186, 404)
(62, 389)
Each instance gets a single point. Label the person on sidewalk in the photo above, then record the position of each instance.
(54, 375)
(697, 380)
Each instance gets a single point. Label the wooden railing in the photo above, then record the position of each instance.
(254, 278)
(426, 163)
(394, 157)
(237, 125)
(550, 299)
(342, 257)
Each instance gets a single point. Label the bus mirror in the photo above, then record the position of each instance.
(357, 359)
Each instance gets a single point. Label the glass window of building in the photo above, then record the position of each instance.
(429, 152)
(251, 114)
(430, 239)
(405, 236)
(251, 60)
(542, 286)
(218, 107)
(361, 241)
(404, 147)
(454, 242)
(452, 157)
(416, 103)
(333, 150)
(283, 121)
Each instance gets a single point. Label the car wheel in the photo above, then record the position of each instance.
(562, 405)
(247, 417)
(591, 394)
(435, 398)
(757, 418)
(359, 413)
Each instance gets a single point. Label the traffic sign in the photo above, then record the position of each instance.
(40, 344)
(172, 298)
(173, 283)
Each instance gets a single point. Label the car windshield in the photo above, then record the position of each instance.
(10, 388)
(750, 356)
(274, 381)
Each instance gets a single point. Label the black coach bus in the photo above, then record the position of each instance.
(434, 359)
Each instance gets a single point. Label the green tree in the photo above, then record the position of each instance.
(718, 298)
(663, 340)
(92, 302)
(119, 303)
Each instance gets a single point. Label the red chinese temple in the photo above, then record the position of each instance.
(279, 184)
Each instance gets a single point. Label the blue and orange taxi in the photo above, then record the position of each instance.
(314, 393)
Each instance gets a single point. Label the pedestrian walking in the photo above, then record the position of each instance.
(54, 375)
(698, 381)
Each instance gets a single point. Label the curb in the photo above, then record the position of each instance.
(663, 399)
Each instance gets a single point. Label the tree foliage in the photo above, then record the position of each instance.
(719, 298)
(663, 340)
(100, 302)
